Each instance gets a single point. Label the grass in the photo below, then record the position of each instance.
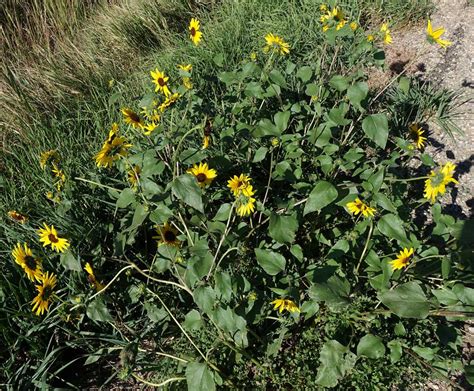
(99, 62)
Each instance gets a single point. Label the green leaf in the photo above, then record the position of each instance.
(469, 372)
(335, 291)
(404, 84)
(395, 347)
(281, 120)
(323, 194)
(407, 301)
(304, 73)
(312, 89)
(127, 196)
(371, 346)
(273, 263)
(223, 212)
(392, 227)
(427, 353)
(336, 360)
(139, 216)
(383, 201)
(260, 154)
(339, 82)
(185, 188)
(155, 313)
(283, 228)
(205, 298)
(70, 262)
(357, 93)
(161, 214)
(192, 320)
(277, 77)
(375, 127)
(97, 310)
(199, 377)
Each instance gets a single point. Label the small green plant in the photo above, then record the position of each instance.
(264, 235)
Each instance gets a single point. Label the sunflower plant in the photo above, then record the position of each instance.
(293, 201)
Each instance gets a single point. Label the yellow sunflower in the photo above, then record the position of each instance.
(113, 149)
(186, 79)
(149, 128)
(334, 17)
(204, 175)
(133, 176)
(387, 38)
(358, 206)
(170, 100)
(17, 216)
(240, 184)
(435, 36)
(23, 256)
(45, 293)
(194, 33)
(151, 114)
(416, 135)
(370, 38)
(91, 277)
(354, 26)
(285, 305)
(160, 81)
(132, 118)
(277, 44)
(245, 205)
(167, 235)
(402, 259)
(48, 156)
(49, 236)
(438, 180)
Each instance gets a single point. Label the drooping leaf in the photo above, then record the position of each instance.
(336, 360)
(371, 346)
(375, 127)
(407, 301)
(199, 377)
(272, 262)
(323, 194)
(283, 228)
(97, 310)
(186, 189)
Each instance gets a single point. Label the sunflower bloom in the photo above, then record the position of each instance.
(370, 38)
(285, 305)
(17, 216)
(358, 206)
(149, 128)
(245, 205)
(204, 175)
(91, 277)
(194, 31)
(161, 82)
(167, 235)
(45, 293)
(416, 135)
(133, 176)
(387, 38)
(277, 44)
(186, 69)
(132, 118)
(240, 184)
(354, 26)
(49, 236)
(48, 156)
(334, 17)
(113, 149)
(152, 114)
(169, 101)
(402, 259)
(438, 180)
(435, 36)
(23, 256)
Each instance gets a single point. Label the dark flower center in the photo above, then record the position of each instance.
(169, 236)
(193, 31)
(161, 81)
(53, 238)
(201, 177)
(30, 262)
(134, 117)
(47, 292)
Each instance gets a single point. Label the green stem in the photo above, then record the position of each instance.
(408, 179)
(369, 236)
(175, 156)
